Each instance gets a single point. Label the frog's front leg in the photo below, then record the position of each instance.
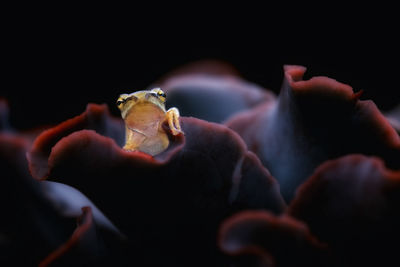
(172, 117)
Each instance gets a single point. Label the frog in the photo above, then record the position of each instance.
(144, 113)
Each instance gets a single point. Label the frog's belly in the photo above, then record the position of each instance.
(154, 145)
(151, 145)
(144, 129)
(145, 119)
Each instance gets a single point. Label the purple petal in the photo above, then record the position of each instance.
(353, 204)
(69, 203)
(182, 193)
(95, 118)
(313, 121)
(393, 116)
(70, 253)
(37, 216)
(212, 97)
(28, 218)
(85, 246)
(283, 240)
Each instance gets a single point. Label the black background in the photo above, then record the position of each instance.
(53, 66)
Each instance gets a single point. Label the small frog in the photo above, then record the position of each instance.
(144, 113)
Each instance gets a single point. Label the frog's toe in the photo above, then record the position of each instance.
(176, 131)
(129, 148)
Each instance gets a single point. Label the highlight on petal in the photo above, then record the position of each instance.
(353, 204)
(69, 202)
(211, 95)
(393, 116)
(313, 121)
(182, 193)
(71, 253)
(261, 235)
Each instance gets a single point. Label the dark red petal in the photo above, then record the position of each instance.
(25, 209)
(255, 187)
(287, 241)
(81, 248)
(202, 178)
(36, 212)
(353, 204)
(4, 124)
(212, 97)
(393, 117)
(96, 117)
(85, 158)
(313, 121)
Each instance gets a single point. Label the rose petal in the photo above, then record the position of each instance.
(69, 202)
(183, 193)
(255, 187)
(90, 155)
(353, 204)
(311, 122)
(36, 212)
(75, 252)
(85, 247)
(203, 67)
(284, 240)
(28, 219)
(96, 117)
(393, 117)
(212, 98)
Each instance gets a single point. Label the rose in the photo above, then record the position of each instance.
(169, 205)
(168, 208)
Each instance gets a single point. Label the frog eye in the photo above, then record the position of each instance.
(161, 93)
(119, 102)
